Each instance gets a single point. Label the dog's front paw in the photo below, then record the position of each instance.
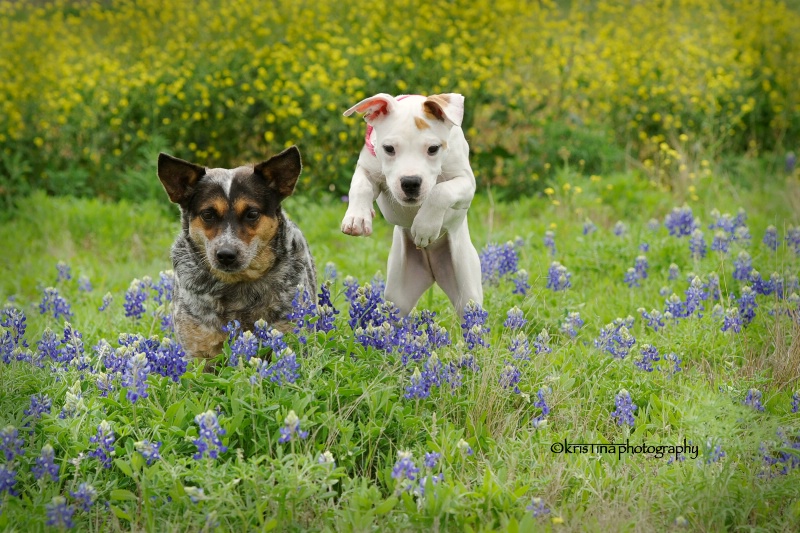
(358, 222)
(425, 232)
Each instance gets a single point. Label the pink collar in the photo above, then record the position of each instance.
(367, 141)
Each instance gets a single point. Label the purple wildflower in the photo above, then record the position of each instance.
(674, 272)
(558, 278)
(59, 513)
(631, 278)
(45, 464)
(208, 440)
(431, 459)
(747, 305)
(697, 245)
(86, 495)
(164, 287)
(269, 337)
(326, 458)
(291, 429)
(771, 238)
(694, 298)
(616, 339)
(653, 225)
(753, 399)
(520, 281)
(169, 360)
(796, 402)
(11, 443)
(64, 271)
(351, 288)
(510, 377)
(135, 297)
(572, 324)
(676, 363)
(84, 284)
(674, 307)
(40, 403)
(244, 347)
(644, 247)
(474, 325)
(641, 267)
(542, 342)
(550, 242)
(620, 229)
(53, 302)
(105, 444)
(732, 320)
(135, 377)
(330, 272)
(404, 468)
(625, 408)
(589, 227)
(541, 403)
(649, 356)
(713, 453)
(654, 318)
(497, 261)
(520, 347)
(325, 309)
(515, 320)
(8, 479)
(149, 450)
(107, 299)
(721, 242)
(284, 370)
(793, 239)
(680, 221)
(538, 508)
(304, 310)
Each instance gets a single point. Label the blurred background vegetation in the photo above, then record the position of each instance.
(90, 92)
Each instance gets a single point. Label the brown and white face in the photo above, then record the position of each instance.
(232, 215)
(410, 139)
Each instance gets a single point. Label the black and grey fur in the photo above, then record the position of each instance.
(237, 257)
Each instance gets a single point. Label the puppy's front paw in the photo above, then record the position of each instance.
(425, 232)
(358, 222)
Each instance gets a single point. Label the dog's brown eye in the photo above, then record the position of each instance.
(208, 215)
(389, 149)
(433, 150)
(252, 215)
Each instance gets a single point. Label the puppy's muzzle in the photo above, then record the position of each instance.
(227, 256)
(411, 186)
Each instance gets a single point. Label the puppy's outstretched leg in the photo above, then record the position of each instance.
(358, 218)
(457, 268)
(408, 273)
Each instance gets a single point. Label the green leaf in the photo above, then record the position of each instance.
(174, 413)
(386, 506)
(272, 524)
(119, 513)
(124, 467)
(123, 495)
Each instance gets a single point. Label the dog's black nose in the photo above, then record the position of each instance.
(411, 185)
(226, 256)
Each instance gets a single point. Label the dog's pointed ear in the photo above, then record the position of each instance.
(178, 176)
(281, 171)
(447, 106)
(374, 107)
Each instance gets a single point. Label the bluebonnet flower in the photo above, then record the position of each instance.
(785, 458)
(291, 429)
(64, 271)
(208, 441)
(474, 326)
(680, 221)
(541, 403)
(674, 272)
(625, 408)
(84, 284)
(351, 288)
(515, 320)
(233, 329)
(558, 278)
(747, 305)
(364, 307)
(135, 377)
(616, 339)
(135, 298)
(464, 447)
(14, 322)
(55, 303)
(107, 299)
(796, 402)
(620, 229)
(542, 342)
(8, 479)
(676, 363)
(732, 320)
(697, 244)
(269, 337)
(244, 347)
(641, 267)
(431, 459)
(631, 278)
(777, 285)
(550, 242)
(572, 324)
(713, 453)
(73, 402)
(330, 271)
(45, 464)
(85, 496)
(710, 289)
(793, 239)
(520, 281)
(653, 225)
(420, 387)
(40, 403)
(654, 318)
(325, 309)
(105, 384)
(674, 307)
(694, 297)
(589, 227)
(105, 444)
(760, 285)
(538, 508)
(753, 399)
(497, 261)
(11, 443)
(326, 458)
(520, 347)
(195, 494)
(742, 234)
(644, 247)
(149, 450)
(771, 238)
(304, 310)
(720, 242)
(404, 468)
(510, 377)
(284, 370)
(169, 360)
(649, 356)
(434, 374)
(59, 513)
(164, 287)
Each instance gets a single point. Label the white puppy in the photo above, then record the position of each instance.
(415, 162)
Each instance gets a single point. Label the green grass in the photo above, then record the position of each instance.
(350, 399)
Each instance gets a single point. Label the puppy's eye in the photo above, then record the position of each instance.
(252, 215)
(389, 149)
(208, 215)
(433, 150)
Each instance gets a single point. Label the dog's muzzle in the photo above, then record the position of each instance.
(411, 186)
(227, 257)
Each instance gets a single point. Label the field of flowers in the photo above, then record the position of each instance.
(670, 336)
(89, 91)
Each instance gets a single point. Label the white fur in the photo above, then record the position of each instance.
(431, 238)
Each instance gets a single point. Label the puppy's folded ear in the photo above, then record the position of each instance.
(178, 176)
(281, 171)
(373, 107)
(447, 106)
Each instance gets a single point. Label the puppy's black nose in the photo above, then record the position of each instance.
(226, 256)
(411, 185)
